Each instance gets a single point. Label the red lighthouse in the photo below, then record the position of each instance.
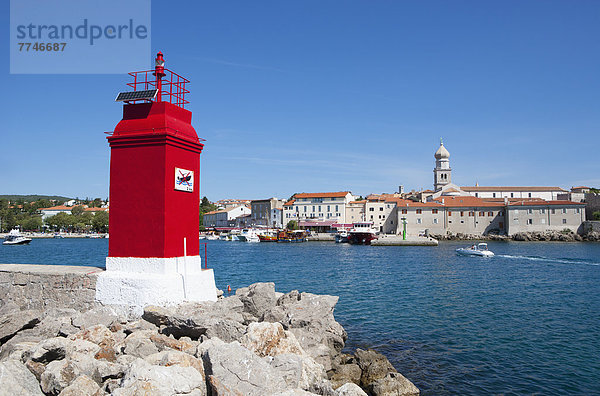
(153, 254)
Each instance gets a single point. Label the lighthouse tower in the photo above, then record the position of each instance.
(442, 174)
(153, 252)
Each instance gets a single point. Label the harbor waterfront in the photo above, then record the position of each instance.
(522, 322)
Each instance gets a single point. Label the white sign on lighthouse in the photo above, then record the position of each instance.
(184, 180)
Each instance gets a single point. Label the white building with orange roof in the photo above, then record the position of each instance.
(318, 210)
(224, 218)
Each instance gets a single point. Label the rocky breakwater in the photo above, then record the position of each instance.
(257, 342)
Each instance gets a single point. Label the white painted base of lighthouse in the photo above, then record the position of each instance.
(139, 281)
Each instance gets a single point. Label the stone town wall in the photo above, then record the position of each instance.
(592, 204)
(48, 286)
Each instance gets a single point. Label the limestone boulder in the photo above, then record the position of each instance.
(139, 344)
(143, 378)
(17, 380)
(14, 321)
(301, 371)
(393, 384)
(81, 386)
(350, 389)
(257, 298)
(57, 376)
(270, 339)
(101, 315)
(344, 370)
(232, 369)
(374, 366)
(184, 344)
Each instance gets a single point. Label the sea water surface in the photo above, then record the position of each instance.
(526, 321)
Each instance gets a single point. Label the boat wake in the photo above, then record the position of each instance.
(562, 260)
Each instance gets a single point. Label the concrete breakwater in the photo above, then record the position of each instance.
(553, 236)
(256, 342)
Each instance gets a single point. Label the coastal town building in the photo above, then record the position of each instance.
(355, 211)
(263, 211)
(317, 210)
(54, 210)
(231, 203)
(224, 217)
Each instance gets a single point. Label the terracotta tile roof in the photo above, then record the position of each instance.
(467, 202)
(544, 203)
(95, 210)
(59, 207)
(289, 203)
(323, 195)
(505, 188)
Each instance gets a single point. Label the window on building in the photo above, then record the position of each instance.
(512, 195)
(471, 213)
(477, 194)
(435, 221)
(490, 214)
(530, 211)
(371, 217)
(462, 213)
(434, 211)
(564, 210)
(577, 210)
(403, 211)
(493, 195)
(542, 211)
(481, 214)
(305, 209)
(529, 195)
(564, 221)
(328, 208)
(462, 222)
(337, 209)
(449, 213)
(381, 208)
(553, 211)
(419, 211)
(371, 209)
(319, 208)
(530, 221)
(419, 220)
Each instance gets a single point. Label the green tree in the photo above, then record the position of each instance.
(100, 222)
(596, 215)
(77, 210)
(32, 223)
(292, 225)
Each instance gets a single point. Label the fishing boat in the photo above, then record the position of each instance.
(480, 250)
(361, 233)
(14, 237)
(292, 236)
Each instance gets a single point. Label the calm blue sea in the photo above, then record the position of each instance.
(524, 322)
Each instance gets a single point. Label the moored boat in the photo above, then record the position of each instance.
(14, 237)
(292, 236)
(361, 234)
(480, 250)
(341, 237)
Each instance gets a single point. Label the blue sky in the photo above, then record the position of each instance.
(314, 96)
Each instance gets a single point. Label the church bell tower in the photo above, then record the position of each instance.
(442, 174)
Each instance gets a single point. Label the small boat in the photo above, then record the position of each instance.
(361, 234)
(58, 236)
(341, 237)
(269, 236)
(292, 236)
(14, 237)
(249, 235)
(480, 250)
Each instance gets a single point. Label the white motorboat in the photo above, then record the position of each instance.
(361, 233)
(341, 236)
(14, 237)
(249, 235)
(480, 250)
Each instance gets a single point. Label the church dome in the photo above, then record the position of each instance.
(442, 153)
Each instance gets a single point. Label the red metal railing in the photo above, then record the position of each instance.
(171, 87)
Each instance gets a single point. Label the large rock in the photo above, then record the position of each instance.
(310, 318)
(222, 319)
(81, 386)
(17, 380)
(176, 358)
(393, 384)
(301, 371)
(233, 370)
(269, 339)
(14, 321)
(139, 344)
(374, 366)
(257, 298)
(101, 315)
(143, 378)
(350, 389)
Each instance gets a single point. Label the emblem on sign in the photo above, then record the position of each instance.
(184, 180)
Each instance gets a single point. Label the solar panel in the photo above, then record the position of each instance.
(136, 95)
